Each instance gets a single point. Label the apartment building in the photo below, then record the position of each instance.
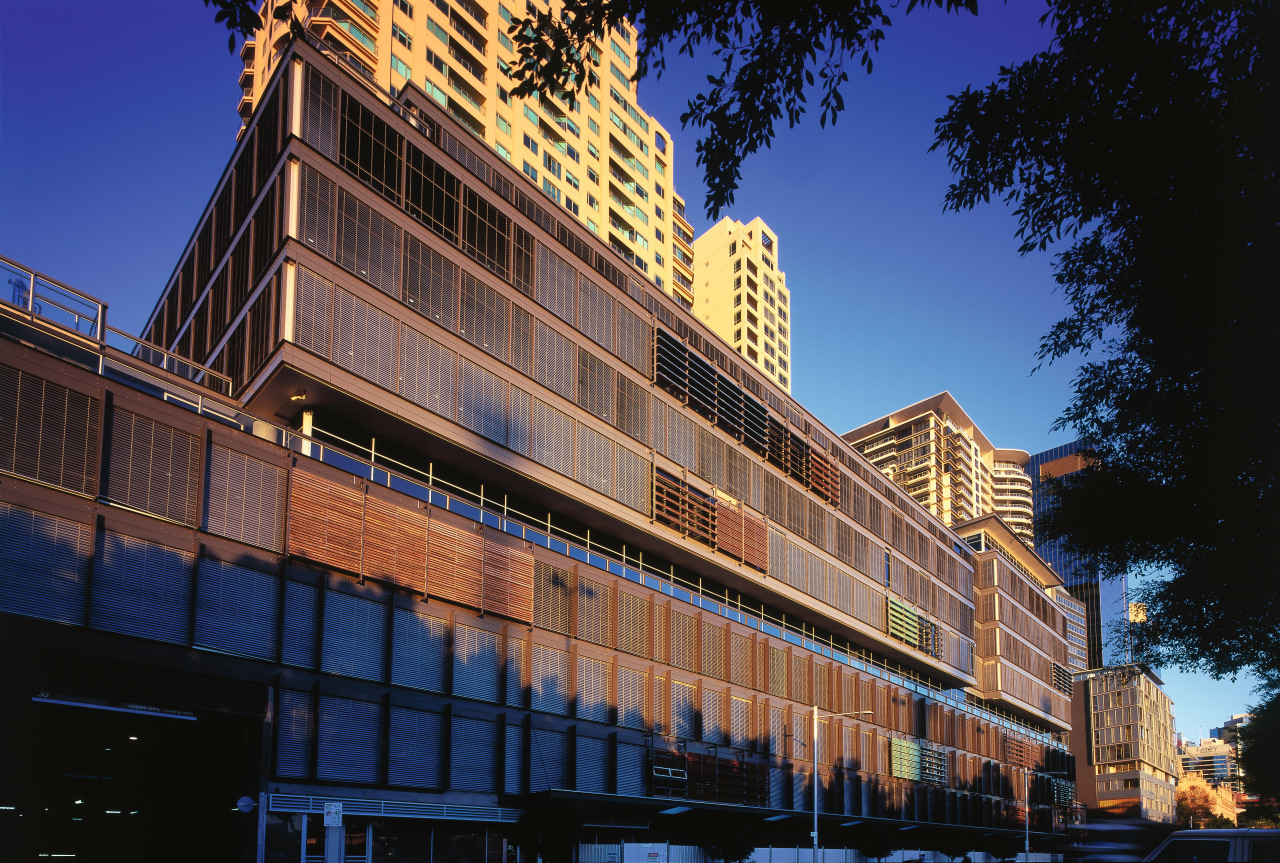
(938, 455)
(742, 294)
(1076, 622)
(1124, 742)
(1105, 601)
(596, 154)
(415, 504)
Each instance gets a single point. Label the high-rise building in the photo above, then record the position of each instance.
(743, 296)
(1105, 600)
(596, 154)
(1229, 733)
(1076, 622)
(416, 505)
(1216, 761)
(1123, 739)
(938, 455)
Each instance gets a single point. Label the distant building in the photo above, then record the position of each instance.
(742, 294)
(1215, 761)
(1075, 621)
(938, 455)
(1105, 601)
(1123, 740)
(1230, 731)
(1221, 801)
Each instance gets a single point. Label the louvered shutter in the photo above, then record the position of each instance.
(475, 664)
(517, 684)
(153, 467)
(593, 689)
(454, 558)
(518, 420)
(473, 749)
(320, 113)
(777, 732)
(508, 581)
(47, 432)
(658, 425)
(368, 244)
(551, 601)
(548, 760)
(395, 544)
(522, 340)
(778, 672)
(325, 521)
(354, 636)
(364, 340)
(431, 284)
(514, 766)
(739, 659)
(713, 730)
(683, 709)
(633, 624)
(595, 314)
(141, 588)
(779, 778)
(351, 740)
(632, 476)
(595, 386)
(594, 456)
(552, 438)
(632, 770)
(427, 372)
(482, 401)
(418, 650)
(298, 642)
(591, 767)
(594, 610)
(635, 341)
(661, 723)
(484, 316)
(632, 686)
(236, 609)
(550, 684)
(315, 221)
(713, 664)
(44, 564)
(631, 408)
(295, 729)
(244, 499)
(413, 757)
(557, 285)
(555, 361)
(313, 316)
(740, 722)
(684, 635)
(682, 440)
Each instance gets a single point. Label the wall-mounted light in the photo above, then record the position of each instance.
(298, 396)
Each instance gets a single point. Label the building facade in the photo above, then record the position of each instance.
(1123, 740)
(742, 295)
(596, 154)
(947, 465)
(1106, 601)
(415, 505)
(1214, 760)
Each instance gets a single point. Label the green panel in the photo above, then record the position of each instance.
(906, 759)
(903, 623)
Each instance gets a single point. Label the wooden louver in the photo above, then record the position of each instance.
(395, 544)
(454, 560)
(824, 477)
(683, 508)
(508, 581)
(325, 521)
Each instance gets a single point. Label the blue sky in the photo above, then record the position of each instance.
(115, 125)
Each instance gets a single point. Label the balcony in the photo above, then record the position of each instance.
(245, 108)
(467, 34)
(248, 51)
(246, 78)
(467, 62)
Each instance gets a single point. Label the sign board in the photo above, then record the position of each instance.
(333, 815)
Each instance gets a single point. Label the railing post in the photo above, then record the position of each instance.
(31, 296)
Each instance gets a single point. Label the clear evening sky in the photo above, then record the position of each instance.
(117, 120)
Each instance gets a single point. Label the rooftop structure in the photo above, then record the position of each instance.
(742, 295)
(938, 455)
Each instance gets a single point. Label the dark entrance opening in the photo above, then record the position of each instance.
(94, 784)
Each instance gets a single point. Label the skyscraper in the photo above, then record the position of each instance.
(1105, 601)
(742, 294)
(596, 154)
(939, 456)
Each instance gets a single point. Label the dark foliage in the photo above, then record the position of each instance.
(241, 17)
(548, 829)
(1259, 748)
(772, 54)
(1143, 139)
(875, 840)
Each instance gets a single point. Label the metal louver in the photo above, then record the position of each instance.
(44, 564)
(141, 588)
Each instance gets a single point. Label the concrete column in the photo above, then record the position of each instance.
(334, 844)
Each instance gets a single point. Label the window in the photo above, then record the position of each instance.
(402, 37)
(782, 331)
(737, 266)
(768, 349)
(503, 152)
(571, 153)
(404, 6)
(737, 317)
(782, 364)
(593, 101)
(620, 75)
(531, 171)
(593, 227)
(657, 258)
(733, 248)
(503, 96)
(737, 300)
(505, 42)
(551, 190)
(658, 235)
(531, 144)
(571, 180)
(768, 298)
(782, 314)
(437, 30)
(753, 355)
(659, 191)
(769, 366)
(504, 13)
(504, 68)
(593, 126)
(434, 92)
(782, 348)
(626, 37)
(662, 170)
(592, 202)
(782, 380)
(571, 206)
(737, 334)
(504, 125)
(530, 116)
(660, 142)
(400, 68)
(657, 211)
(591, 149)
(622, 55)
(737, 281)
(593, 176)
(752, 320)
(768, 331)
(551, 166)
(437, 63)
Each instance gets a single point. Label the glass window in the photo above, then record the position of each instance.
(504, 125)
(404, 6)
(531, 171)
(504, 152)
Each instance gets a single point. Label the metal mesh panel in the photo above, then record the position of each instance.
(634, 341)
(364, 339)
(632, 686)
(633, 624)
(658, 425)
(551, 443)
(522, 340)
(315, 219)
(483, 316)
(632, 408)
(595, 385)
(550, 684)
(684, 636)
(713, 718)
(593, 690)
(426, 372)
(482, 401)
(555, 361)
(713, 663)
(430, 284)
(682, 440)
(632, 475)
(314, 312)
(594, 611)
(320, 113)
(518, 418)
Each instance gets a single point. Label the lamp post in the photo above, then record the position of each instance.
(1026, 802)
(813, 750)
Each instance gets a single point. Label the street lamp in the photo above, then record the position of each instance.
(813, 750)
(1026, 802)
